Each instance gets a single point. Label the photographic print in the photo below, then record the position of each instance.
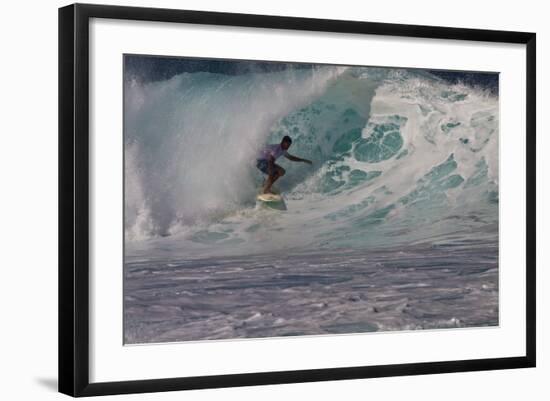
(268, 199)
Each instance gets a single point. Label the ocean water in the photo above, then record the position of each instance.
(395, 226)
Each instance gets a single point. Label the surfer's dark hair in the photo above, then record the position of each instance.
(286, 138)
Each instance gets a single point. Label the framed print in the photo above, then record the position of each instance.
(251, 199)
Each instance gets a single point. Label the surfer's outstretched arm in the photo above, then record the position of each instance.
(297, 159)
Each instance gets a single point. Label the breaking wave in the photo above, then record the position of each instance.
(399, 156)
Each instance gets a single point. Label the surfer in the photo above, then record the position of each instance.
(266, 162)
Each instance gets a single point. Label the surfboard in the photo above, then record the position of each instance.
(273, 201)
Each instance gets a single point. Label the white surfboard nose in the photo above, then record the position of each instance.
(272, 201)
(270, 198)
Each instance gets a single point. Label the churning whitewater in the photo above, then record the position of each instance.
(397, 215)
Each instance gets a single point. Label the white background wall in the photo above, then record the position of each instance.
(28, 201)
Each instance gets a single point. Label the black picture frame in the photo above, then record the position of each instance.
(74, 194)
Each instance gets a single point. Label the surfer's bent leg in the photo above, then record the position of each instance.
(278, 172)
